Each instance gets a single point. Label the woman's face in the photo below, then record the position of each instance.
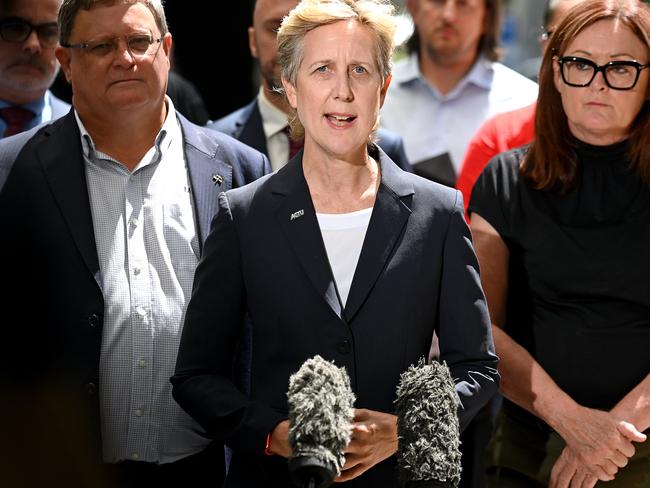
(338, 90)
(598, 114)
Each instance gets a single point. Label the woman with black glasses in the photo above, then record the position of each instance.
(562, 231)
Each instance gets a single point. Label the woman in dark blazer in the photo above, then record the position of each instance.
(340, 253)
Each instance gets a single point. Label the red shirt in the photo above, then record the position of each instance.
(498, 134)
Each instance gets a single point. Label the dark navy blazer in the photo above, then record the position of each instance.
(50, 295)
(417, 273)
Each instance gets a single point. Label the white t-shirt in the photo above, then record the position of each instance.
(343, 235)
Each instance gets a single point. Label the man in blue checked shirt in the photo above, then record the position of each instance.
(104, 214)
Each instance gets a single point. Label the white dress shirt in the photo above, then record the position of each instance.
(274, 122)
(432, 124)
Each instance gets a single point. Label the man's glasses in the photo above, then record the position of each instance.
(619, 75)
(17, 30)
(139, 46)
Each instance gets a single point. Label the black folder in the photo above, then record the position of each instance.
(438, 168)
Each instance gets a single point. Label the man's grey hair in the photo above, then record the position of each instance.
(70, 9)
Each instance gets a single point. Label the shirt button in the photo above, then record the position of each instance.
(136, 271)
(91, 388)
(139, 412)
(135, 456)
(141, 312)
(135, 222)
(142, 363)
(343, 347)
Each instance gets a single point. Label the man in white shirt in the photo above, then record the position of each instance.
(450, 83)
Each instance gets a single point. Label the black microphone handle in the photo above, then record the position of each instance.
(429, 484)
(311, 472)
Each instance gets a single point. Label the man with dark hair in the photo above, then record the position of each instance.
(263, 124)
(28, 36)
(104, 215)
(450, 83)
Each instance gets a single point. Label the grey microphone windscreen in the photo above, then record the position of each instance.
(427, 426)
(321, 413)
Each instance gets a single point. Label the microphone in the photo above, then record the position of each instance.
(427, 427)
(321, 413)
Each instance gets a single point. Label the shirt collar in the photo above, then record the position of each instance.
(36, 106)
(274, 120)
(408, 70)
(169, 131)
(480, 75)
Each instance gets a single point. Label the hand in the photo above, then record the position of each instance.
(630, 432)
(374, 438)
(279, 443)
(600, 442)
(567, 472)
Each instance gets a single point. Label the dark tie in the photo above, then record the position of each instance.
(294, 146)
(16, 118)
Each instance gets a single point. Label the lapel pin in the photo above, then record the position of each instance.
(297, 214)
(217, 179)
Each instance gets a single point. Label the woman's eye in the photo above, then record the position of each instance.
(623, 70)
(321, 69)
(359, 70)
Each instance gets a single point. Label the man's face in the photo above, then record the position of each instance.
(262, 37)
(119, 79)
(27, 69)
(449, 30)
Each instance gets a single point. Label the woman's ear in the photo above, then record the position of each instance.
(384, 90)
(290, 92)
(557, 77)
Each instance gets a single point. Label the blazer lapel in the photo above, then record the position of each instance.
(297, 219)
(252, 130)
(209, 175)
(389, 217)
(61, 157)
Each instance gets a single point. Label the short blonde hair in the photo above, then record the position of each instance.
(378, 15)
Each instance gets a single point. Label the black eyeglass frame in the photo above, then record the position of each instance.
(84, 46)
(602, 68)
(31, 28)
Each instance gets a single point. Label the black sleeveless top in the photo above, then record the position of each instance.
(579, 284)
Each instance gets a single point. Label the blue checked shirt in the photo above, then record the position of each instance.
(148, 248)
